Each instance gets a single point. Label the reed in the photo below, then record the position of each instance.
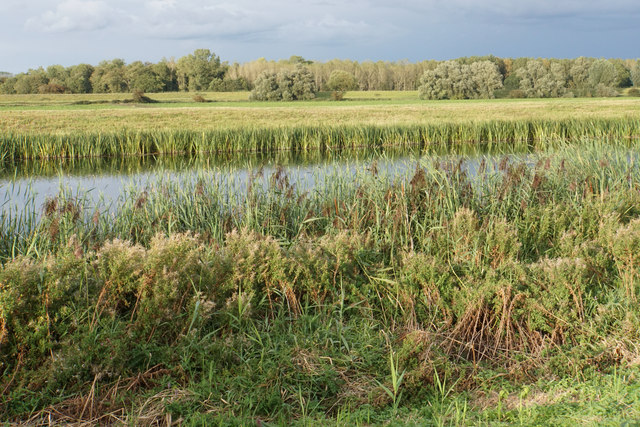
(294, 202)
(539, 133)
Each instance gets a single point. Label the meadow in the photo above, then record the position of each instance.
(48, 129)
(70, 114)
(505, 293)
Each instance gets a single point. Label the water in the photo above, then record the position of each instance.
(106, 182)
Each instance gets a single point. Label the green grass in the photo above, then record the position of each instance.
(435, 298)
(172, 99)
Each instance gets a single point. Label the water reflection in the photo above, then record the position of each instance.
(105, 181)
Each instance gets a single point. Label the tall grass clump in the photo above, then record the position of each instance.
(304, 138)
(233, 301)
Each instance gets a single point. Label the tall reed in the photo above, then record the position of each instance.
(540, 133)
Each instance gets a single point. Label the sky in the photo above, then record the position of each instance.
(36, 33)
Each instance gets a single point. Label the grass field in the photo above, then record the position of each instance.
(507, 296)
(48, 128)
(54, 114)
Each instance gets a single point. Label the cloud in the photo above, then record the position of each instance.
(330, 29)
(524, 9)
(305, 21)
(74, 15)
(196, 19)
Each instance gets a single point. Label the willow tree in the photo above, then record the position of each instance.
(542, 79)
(286, 85)
(454, 80)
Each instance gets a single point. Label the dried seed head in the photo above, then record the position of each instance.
(142, 200)
(50, 206)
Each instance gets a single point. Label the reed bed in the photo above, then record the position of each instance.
(539, 133)
(271, 301)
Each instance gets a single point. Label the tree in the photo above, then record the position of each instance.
(58, 77)
(166, 73)
(109, 77)
(454, 80)
(303, 84)
(623, 78)
(486, 79)
(296, 59)
(602, 72)
(31, 81)
(265, 88)
(79, 80)
(142, 77)
(341, 81)
(579, 72)
(7, 85)
(447, 81)
(635, 73)
(286, 85)
(199, 71)
(542, 79)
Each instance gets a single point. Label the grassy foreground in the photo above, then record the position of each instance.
(440, 298)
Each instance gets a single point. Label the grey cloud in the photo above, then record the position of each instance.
(74, 15)
(278, 21)
(328, 29)
(518, 9)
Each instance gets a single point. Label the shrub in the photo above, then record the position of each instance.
(634, 91)
(23, 323)
(298, 84)
(172, 282)
(605, 91)
(52, 88)
(119, 265)
(339, 82)
(138, 96)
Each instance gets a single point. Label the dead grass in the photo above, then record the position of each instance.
(107, 408)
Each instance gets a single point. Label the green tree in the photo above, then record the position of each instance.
(79, 80)
(635, 73)
(58, 76)
(296, 59)
(142, 77)
(199, 71)
(623, 78)
(341, 81)
(7, 85)
(31, 81)
(542, 79)
(602, 72)
(166, 74)
(579, 72)
(486, 79)
(446, 81)
(454, 80)
(266, 88)
(109, 77)
(286, 85)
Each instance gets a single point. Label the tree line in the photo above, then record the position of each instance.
(298, 78)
